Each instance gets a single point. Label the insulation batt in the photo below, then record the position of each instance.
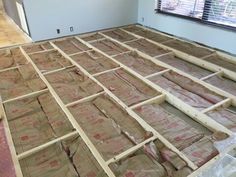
(222, 62)
(153, 36)
(92, 37)
(94, 62)
(147, 47)
(109, 47)
(120, 35)
(139, 64)
(188, 48)
(48, 61)
(126, 87)
(71, 46)
(18, 82)
(110, 128)
(187, 67)
(11, 58)
(224, 117)
(72, 85)
(177, 131)
(37, 47)
(187, 90)
(223, 83)
(35, 121)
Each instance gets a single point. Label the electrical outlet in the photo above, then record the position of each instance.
(71, 29)
(58, 31)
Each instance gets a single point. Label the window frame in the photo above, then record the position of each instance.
(203, 20)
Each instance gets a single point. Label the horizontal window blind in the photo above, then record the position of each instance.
(213, 11)
(190, 8)
(221, 12)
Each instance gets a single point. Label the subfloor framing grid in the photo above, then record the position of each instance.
(195, 114)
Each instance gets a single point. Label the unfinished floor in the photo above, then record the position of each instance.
(125, 102)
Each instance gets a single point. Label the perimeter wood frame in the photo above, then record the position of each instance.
(199, 116)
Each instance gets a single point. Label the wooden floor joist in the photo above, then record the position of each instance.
(165, 96)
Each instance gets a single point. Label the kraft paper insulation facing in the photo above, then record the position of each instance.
(92, 37)
(71, 46)
(126, 87)
(147, 47)
(71, 85)
(120, 35)
(38, 119)
(35, 121)
(109, 47)
(20, 81)
(7, 168)
(188, 48)
(185, 66)
(110, 128)
(221, 61)
(94, 62)
(160, 38)
(70, 158)
(224, 116)
(187, 90)
(223, 83)
(37, 47)
(48, 61)
(181, 134)
(11, 58)
(139, 64)
(154, 160)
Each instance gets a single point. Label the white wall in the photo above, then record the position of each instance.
(45, 16)
(208, 35)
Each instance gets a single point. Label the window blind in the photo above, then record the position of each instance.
(213, 11)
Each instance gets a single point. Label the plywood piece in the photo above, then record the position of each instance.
(147, 47)
(94, 62)
(126, 87)
(71, 85)
(139, 64)
(192, 69)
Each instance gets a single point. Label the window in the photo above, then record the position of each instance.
(220, 12)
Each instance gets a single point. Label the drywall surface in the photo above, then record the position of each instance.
(45, 17)
(11, 10)
(208, 35)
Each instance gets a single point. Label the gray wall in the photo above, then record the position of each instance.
(45, 16)
(208, 35)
